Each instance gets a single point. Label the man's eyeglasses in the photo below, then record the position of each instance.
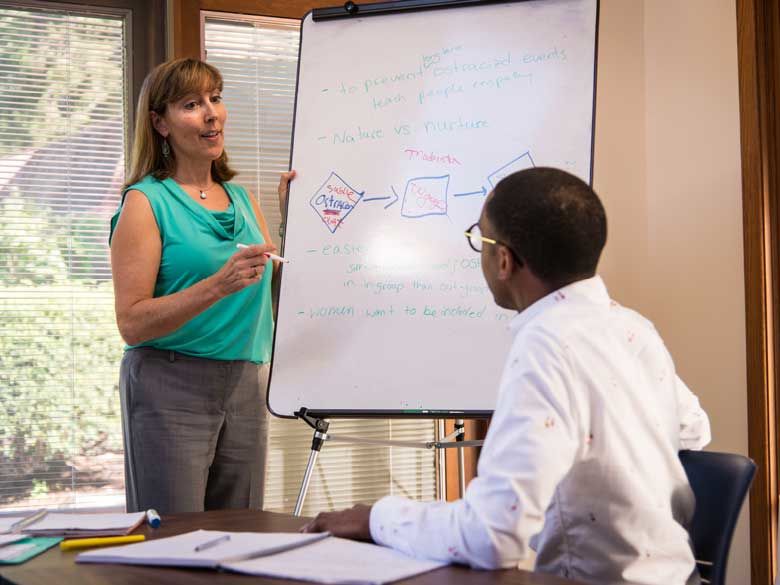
(475, 238)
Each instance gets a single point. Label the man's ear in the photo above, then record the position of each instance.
(507, 263)
(159, 124)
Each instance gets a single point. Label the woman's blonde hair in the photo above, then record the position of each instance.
(167, 83)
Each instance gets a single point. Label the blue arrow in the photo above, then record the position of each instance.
(482, 192)
(394, 198)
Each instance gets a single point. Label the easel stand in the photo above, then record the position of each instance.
(454, 440)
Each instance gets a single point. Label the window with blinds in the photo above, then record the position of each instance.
(63, 113)
(258, 58)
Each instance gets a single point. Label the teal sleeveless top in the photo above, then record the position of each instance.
(196, 243)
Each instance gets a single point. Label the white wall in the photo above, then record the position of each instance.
(667, 165)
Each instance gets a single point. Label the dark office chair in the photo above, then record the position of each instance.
(720, 482)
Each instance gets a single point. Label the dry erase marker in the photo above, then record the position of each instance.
(105, 541)
(153, 518)
(275, 257)
(271, 256)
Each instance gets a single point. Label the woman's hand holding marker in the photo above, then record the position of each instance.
(267, 254)
(244, 268)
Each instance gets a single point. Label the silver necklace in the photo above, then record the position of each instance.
(203, 192)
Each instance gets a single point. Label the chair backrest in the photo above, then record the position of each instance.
(720, 482)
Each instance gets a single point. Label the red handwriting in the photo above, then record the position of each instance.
(445, 159)
(339, 190)
(425, 200)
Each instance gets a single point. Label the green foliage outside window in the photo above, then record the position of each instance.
(57, 84)
(62, 142)
(59, 350)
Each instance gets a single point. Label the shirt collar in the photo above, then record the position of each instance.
(591, 290)
(204, 214)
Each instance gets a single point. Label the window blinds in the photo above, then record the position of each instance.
(258, 58)
(63, 113)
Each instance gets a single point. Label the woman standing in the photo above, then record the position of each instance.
(194, 309)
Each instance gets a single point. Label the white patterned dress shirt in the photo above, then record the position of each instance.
(581, 459)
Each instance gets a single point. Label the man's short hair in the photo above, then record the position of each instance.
(552, 220)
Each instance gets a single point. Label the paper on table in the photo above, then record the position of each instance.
(9, 538)
(7, 521)
(25, 549)
(12, 551)
(179, 551)
(337, 560)
(54, 524)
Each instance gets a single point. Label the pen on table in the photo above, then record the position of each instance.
(153, 518)
(100, 541)
(19, 525)
(269, 254)
(211, 543)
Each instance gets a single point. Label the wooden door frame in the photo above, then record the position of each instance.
(758, 35)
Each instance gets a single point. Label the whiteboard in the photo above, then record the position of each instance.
(403, 123)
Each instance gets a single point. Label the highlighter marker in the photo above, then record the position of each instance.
(100, 541)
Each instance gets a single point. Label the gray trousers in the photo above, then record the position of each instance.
(195, 432)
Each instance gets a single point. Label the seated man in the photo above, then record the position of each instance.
(581, 459)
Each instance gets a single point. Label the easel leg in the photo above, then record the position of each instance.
(441, 471)
(461, 429)
(320, 436)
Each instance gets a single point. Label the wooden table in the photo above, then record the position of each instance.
(55, 566)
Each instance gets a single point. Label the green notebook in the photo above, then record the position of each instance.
(25, 549)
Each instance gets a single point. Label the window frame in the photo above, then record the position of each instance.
(188, 35)
(146, 44)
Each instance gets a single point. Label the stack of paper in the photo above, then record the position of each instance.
(310, 557)
(7, 522)
(25, 548)
(9, 538)
(60, 524)
(15, 547)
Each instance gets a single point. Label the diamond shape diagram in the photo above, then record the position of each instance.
(425, 196)
(334, 201)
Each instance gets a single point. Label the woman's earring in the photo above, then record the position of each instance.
(166, 149)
